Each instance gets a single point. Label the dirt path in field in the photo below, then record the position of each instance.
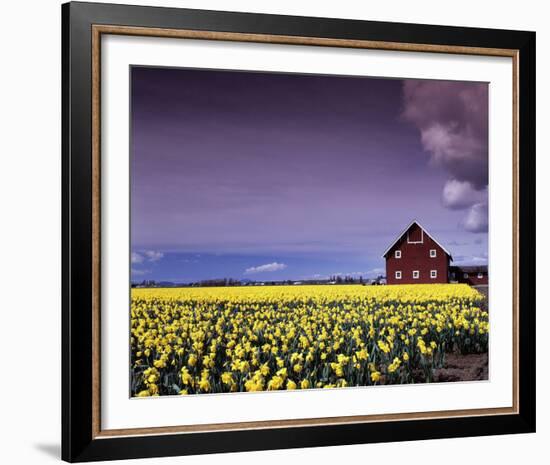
(472, 367)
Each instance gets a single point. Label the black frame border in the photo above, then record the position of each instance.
(78, 442)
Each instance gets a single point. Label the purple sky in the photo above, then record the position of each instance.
(276, 176)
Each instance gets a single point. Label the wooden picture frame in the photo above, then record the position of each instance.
(83, 26)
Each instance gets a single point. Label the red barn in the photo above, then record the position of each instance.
(415, 257)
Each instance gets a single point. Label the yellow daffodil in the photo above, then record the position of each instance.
(254, 338)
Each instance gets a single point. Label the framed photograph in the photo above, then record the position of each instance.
(288, 232)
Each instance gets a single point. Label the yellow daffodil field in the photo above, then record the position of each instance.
(258, 338)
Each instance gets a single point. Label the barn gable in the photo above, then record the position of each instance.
(414, 234)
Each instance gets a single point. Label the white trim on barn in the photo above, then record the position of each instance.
(423, 231)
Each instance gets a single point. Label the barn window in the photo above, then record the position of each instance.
(433, 253)
(398, 254)
(416, 274)
(433, 274)
(479, 275)
(465, 275)
(398, 275)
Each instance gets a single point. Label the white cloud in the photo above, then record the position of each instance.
(265, 268)
(147, 255)
(153, 255)
(458, 195)
(350, 273)
(477, 219)
(139, 272)
(374, 272)
(480, 259)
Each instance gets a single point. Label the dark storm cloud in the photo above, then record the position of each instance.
(453, 122)
(452, 119)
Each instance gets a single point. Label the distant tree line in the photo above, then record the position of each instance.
(217, 282)
(338, 279)
(221, 282)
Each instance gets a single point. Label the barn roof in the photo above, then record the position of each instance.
(425, 231)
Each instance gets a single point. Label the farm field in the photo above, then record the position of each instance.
(234, 339)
